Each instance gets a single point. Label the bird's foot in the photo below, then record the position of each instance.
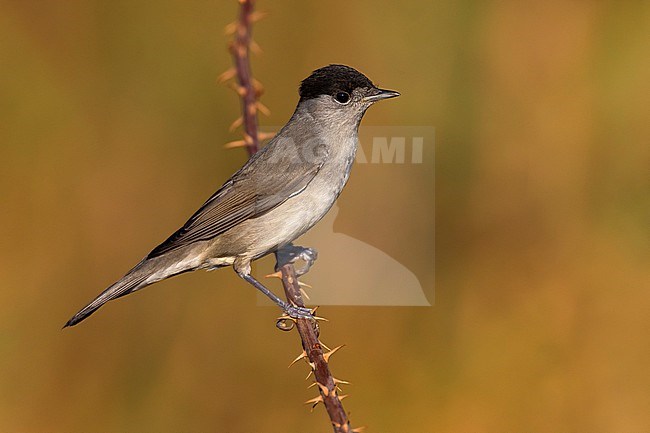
(293, 253)
(291, 312)
(298, 312)
(291, 315)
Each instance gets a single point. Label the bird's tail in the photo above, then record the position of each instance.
(135, 279)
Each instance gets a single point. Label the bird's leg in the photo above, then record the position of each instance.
(291, 310)
(292, 253)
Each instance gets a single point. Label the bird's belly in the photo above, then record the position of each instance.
(289, 220)
(296, 215)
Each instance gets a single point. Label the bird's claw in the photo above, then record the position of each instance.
(291, 314)
(309, 256)
(285, 323)
(298, 312)
(293, 253)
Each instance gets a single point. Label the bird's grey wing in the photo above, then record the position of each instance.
(266, 181)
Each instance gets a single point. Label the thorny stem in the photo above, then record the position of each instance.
(240, 50)
(307, 328)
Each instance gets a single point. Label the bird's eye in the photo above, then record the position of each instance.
(342, 97)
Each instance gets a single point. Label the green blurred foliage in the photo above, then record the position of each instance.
(111, 126)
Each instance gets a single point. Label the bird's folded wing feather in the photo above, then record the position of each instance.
(265, 182)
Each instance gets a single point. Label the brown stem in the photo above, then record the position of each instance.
(240, 50)
(307, 328)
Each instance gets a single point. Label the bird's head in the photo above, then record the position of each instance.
(340, 94)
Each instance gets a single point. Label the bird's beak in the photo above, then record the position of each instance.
(379, 94)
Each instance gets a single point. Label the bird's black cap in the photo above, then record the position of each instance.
(331, 79)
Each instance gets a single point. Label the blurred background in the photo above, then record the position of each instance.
(111, 134)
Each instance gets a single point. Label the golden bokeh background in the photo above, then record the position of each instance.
(111, 133)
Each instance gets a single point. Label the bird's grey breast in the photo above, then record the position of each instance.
(324, 141)
(303, 210)
(324, 189)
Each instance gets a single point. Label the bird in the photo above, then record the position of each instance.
(278, 194)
